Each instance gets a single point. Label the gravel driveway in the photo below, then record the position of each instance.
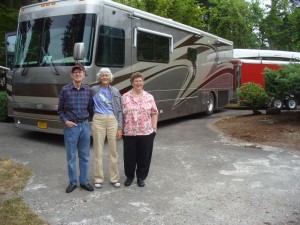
(197, 176)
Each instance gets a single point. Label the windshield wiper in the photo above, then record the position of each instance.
(50, 61)
(26, 66)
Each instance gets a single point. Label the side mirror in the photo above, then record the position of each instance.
(4, 68)
(78, 53)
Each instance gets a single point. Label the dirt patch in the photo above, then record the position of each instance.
(281, 130)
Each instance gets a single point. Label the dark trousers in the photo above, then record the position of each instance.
(137, 155)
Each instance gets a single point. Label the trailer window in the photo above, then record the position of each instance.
(152, 48)
(111, 47)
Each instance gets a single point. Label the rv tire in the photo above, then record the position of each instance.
(210, 104)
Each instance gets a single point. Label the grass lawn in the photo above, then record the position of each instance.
(13, 210)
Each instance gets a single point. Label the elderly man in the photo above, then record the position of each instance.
(75, 107)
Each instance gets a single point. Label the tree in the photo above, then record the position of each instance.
(295, 3)
(250, 24)
(257, 15)
(234, 20)
(9, 21)
(294, 28)
(187, 12)
(281, 26)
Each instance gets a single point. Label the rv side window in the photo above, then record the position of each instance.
(111, 47)
(152, 48)
(192, 54)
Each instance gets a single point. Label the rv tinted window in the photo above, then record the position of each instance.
(153, 48)
(111, 47)
(192, 54)
(50, 40)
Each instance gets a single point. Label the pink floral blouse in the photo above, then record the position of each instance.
(137, 114)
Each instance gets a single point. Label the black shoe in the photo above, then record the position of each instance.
(128, 182)
(70, 188)
(140, 182)
(87, 187)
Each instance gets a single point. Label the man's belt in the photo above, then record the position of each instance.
(78, 120)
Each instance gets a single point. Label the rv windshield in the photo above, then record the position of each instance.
(50, 40)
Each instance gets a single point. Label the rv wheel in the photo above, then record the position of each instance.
(210, 104)
(277, 104)
(291, 104)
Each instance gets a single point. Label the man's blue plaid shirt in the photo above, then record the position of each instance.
(75, 104)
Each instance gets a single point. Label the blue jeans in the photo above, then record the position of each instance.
(78, 138)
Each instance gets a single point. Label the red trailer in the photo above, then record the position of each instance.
(249, 65)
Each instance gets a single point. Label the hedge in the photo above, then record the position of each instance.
(3, 105)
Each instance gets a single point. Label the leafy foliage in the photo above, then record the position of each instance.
(3, 105)
(282, 82)
(253, 96)
(9, 20)
(234, 20)
(188, 12)
(281, 26)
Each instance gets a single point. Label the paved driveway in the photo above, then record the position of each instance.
(196, 177)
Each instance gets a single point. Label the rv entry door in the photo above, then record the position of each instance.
(117, 35)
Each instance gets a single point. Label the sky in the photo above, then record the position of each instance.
(262, 2)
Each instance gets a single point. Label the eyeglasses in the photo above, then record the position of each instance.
(77, 72)
(138, 81)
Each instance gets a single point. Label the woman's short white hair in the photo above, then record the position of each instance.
(105, 71)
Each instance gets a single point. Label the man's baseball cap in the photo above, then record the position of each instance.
(79, 67)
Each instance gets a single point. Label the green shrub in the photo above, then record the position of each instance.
(253, 96)
(3, 105)
(282, 82)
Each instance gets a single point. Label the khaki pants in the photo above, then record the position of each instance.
(105, 126)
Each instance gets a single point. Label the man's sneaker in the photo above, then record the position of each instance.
(98, 185)
(116, 184)
(87, 187)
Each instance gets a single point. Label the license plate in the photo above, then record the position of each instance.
(42, 125)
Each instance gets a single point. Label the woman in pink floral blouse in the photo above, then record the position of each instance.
(140, 124)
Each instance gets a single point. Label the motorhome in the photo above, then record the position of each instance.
(187, 70)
